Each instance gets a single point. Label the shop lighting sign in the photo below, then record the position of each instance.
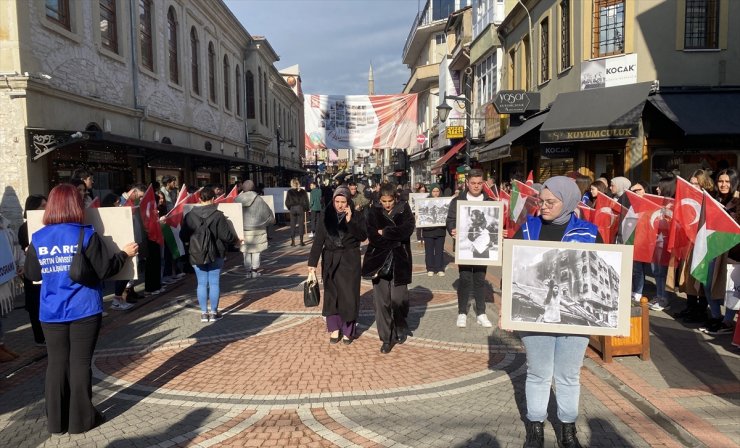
(516, 101)
(455, 132)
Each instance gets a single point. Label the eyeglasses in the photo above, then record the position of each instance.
(550, 203)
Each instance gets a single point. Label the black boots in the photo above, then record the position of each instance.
(535, 435)
(568, 437)
(302, 243)
(292, 241)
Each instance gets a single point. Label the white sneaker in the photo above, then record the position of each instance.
(462, 320)
(636, 298)
(430, 274)
(120, 306)
(310, 235)
(256, 274)
(656, 305)
(483, 321)
(441, 273)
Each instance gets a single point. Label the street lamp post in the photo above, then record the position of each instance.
(443, 111)
(279, 141)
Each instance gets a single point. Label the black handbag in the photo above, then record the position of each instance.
(311, 291)
(386, 270)
(81, 271)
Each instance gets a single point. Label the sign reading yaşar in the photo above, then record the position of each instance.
(455, 132)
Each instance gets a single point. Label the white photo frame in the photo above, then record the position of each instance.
(567, 288)
(431, 212)
(479, 234)
(414, 196)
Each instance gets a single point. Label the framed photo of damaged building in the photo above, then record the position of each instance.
(573, 288)
(479, 233)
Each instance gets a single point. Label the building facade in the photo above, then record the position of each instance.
(132, 90)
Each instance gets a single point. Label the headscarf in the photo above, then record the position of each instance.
(621, 184)
(342, 191)
(565, 189)
(248, 185)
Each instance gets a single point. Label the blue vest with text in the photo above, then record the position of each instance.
(577, 231)
(63, 300)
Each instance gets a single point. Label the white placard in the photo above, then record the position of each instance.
(115, 226)
(233, 213)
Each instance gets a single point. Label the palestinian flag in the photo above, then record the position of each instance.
(523, 202)
(172, 241)
(717, 234)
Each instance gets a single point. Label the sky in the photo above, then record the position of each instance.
(334, 41)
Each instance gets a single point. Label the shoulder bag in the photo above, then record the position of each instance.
(81, 270)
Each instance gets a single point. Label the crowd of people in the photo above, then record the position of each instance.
(66, 313)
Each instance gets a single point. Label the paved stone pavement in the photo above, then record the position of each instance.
(266, 375)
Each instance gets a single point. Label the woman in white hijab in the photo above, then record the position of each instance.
(549, 355)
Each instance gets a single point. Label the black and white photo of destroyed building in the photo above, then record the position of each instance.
(431, 212)
(479, 233)
(567, 289)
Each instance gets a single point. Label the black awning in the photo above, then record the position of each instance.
(421, 155)
(501, 147)
(130, 141)
(713, 112)
(596, 114)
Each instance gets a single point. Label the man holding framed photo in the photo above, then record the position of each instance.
(472, 277)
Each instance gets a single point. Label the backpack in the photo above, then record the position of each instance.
(203, 249)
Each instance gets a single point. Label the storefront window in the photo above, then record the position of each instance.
(665, 163)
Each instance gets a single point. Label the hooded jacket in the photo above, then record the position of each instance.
(221, 227)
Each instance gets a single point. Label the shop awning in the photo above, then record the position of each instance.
(501, 147)
(417, 156)
(701, 113)
(437, 167)
(596, 114)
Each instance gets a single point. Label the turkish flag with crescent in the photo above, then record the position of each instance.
(150, 217)
(587, 213)
(661, 255)
(607, 217)
(645, 216)
(685, 223)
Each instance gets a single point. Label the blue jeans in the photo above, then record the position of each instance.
(558, 356)
(639, 269)
(659, 273)
(208, 276)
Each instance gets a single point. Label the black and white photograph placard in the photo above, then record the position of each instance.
(479, 233)
(413, 197)
(432, 212)
(573, 288)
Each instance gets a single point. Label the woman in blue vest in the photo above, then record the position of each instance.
(70, 313)
(549, 355)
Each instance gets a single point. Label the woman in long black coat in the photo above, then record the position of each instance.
(390, 225)
(337, 242)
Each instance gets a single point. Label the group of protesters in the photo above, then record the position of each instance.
(343, 218)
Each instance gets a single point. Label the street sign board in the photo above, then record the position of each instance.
(516, 101)
(455, 132)
(421, 139)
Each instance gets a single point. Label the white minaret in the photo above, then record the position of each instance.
(370, 81)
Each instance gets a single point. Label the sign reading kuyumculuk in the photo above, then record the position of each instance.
(516, 101)
(609, 72)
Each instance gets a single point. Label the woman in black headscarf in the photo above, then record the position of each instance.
(549, 355)
(337, 242)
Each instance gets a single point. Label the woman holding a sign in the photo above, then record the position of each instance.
(70, 311)
(550, 355)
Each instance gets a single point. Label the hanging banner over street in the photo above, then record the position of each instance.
(360, 121)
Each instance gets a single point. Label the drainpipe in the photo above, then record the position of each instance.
(135, 68)
(531, 47)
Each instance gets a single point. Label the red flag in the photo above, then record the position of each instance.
(685, 223)
(509, 227)
(661, 255)
(129, 201)
(587, 213)
(149, 216)
(488, 191)
(195, 197)
(523, 202)
(95, 203)
(530, 178)
(607, 217)
(229, 198)
(174, 217)
(182, 195)
(640, 226)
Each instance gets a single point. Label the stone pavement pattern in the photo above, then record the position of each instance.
(266, 375)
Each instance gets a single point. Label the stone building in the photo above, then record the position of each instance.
(134, 90)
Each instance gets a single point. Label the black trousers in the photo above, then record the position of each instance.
(315, 214)
(472, 281)
(33, 301)
(434, 250)
(68, 393)
(152, 268)
(297, 221)
(391, 309)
